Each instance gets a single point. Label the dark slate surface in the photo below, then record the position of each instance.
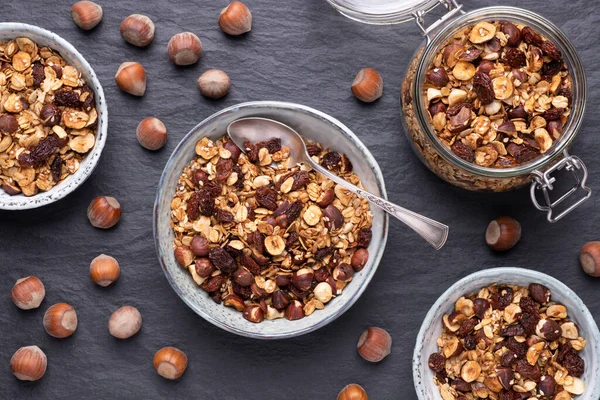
(298, 51)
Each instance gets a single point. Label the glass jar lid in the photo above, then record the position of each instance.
(384, 11)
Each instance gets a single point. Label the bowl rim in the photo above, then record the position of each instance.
(70, 184)
(374, 262)
(493, 273)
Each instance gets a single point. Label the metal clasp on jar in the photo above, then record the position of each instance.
(453, 8)
(544, 182)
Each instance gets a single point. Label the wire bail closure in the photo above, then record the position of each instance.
(544, 182)
(453, 8)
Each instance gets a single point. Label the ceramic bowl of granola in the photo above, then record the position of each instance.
(256, 248)
(508, 333)
(53, 117)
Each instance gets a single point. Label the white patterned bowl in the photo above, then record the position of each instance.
(313, 125)
(11, 30)
(432, 325)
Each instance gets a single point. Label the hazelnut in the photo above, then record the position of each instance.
(214, 83)
(438, 77)
(8, 124)
(273, 313)
(539, 293)
(374, 344)
(569, 330)
(200, 246)
(138, 30)
(482, 32)
(274, 244)
(294, 311)
(104, 270)
(548, 329)
(204, 268)
(233, 149)
(512, 33)
(28, 293)
(343, 272)
(465, 306)
(453, 347)
(367, 85)
(60, 320)
(547, 386)
(333, 217)
(303, 278)
(170, 362)
(235, 19)
(28, 363)
(184, 256)
(184, 48)
(104, 212)
(131, 78)
(326, 198)
(323, 292)
(280, 299)
(86, 14)
(253, 313)
(151, 133)
(464, 71)
(556, 311)
(50, 114)
(452, 54)
(506, 377)
(470, 371)
(353, 392)
(125, 322)
(359, 259)
(589, 258)
(503, 233)
(233, 300)
(243, 277)
(312, 215)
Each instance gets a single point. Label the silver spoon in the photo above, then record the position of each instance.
(258, 129)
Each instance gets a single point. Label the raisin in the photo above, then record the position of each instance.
(332, 161)
(56, 169)
(67, 98)
(193, 206)
(301, 179)
(566, 92)
(282, 209)
(257, 241)
(551, 51)
(508, 358)
(507, 395)
(364, 237)
(272, 145)
(251, 151)
(513, 330)
(574, 364)
(437, 362)
(502, 298)
(87, 94)
(213, 284)
(480, 307)
(313, 149)
(346, 164)
(463, 151)
(37, 71)
(505, 162)
(239, 184)
(224, 168)
(224, 216)
(528, 371)
(235, 253)
(291, 240)
(483, 87)
(529, 321)
(552, 114)
(550, 69)
(467, 327)
(324, 252)
(294, 211)
(321, 274)
(530, 36)
(456, 108)
(222, 260)
(214, 188)
(216, 297)
(522, 153)
(520, 349)
(515, 58)
(470, 343)
(244, 292)
(266, 197)
(38, 155)
(528, 305)
(206, 202)
(563, 351)
(250, 264)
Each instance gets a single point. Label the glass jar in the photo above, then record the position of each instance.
(418, 127)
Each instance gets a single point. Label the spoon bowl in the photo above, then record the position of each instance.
(256, 129)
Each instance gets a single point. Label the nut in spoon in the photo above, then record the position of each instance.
(256, 129)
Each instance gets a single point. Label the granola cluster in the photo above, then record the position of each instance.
(269, 240)
(47, 118)
(509, 343)
(498, 94)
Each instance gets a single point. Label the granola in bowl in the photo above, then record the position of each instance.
(269, 241)
(509, 342)
(48, 118)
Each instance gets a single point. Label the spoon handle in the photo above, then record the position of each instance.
(435, 233)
